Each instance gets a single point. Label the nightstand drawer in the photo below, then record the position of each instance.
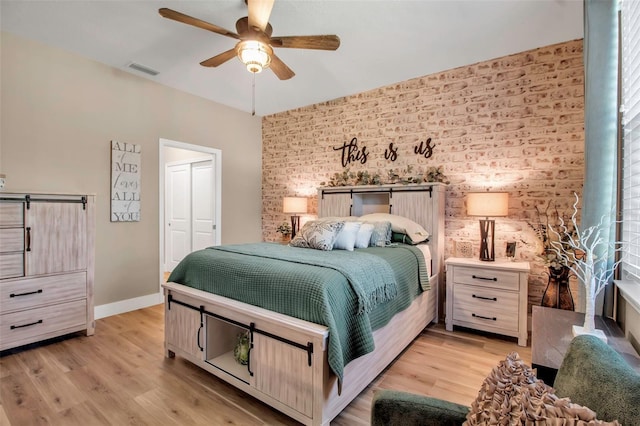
(488, 307)
(493, 278)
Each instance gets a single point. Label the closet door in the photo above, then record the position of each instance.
(55, 237)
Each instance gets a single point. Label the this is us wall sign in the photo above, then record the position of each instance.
(353, 153)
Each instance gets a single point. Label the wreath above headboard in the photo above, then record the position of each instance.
(392, 176)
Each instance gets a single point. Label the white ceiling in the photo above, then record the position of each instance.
(382, 42)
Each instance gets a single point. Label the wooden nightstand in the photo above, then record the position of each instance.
(488, 296)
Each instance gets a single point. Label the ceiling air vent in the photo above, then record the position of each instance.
(143, 69)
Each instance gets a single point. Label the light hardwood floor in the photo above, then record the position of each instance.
(120, 376)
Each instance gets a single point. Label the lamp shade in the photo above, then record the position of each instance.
(487, 204)
(294, 205)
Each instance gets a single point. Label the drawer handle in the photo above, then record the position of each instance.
(13, 327)
(28, 238)
(476, 277)
(25, 294)
(487, 318)
(495, 299)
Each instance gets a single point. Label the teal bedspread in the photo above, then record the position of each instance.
(352, 293)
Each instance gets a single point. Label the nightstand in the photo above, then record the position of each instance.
(488, 296)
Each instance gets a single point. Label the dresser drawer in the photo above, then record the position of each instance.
(32, 292)
(11, 214)
(11, 265)
(20, 328)
(11, 239)
(487, 278)
(486, 307)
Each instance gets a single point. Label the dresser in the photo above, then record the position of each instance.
(487, 296)
(46, 266)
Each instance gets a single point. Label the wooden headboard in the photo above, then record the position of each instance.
(423, 203)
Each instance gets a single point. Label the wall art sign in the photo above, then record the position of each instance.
(352, 153)
(125, 182)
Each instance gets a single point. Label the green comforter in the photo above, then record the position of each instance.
(287, 280)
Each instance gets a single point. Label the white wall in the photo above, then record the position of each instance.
(59, 112)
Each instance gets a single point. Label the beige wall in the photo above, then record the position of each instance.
(513, 124)
(59, 112)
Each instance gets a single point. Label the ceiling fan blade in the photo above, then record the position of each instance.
(321, 42)
(280, 69)
(186, 19)
(259, 12)
(219, 59)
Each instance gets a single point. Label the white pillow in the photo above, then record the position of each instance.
(400, 224)
(364, 235)
(346, 239)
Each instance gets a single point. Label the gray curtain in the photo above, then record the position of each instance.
(601, 123)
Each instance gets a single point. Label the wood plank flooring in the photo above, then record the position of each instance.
(120, 376)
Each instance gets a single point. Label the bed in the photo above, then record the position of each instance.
(310, 365)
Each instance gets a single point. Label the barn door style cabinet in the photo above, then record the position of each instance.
(46, 266)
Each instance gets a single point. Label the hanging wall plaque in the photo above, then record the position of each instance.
(125, 182)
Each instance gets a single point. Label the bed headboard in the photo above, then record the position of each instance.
(423, 203)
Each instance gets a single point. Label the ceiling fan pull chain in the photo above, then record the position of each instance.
(253, 95)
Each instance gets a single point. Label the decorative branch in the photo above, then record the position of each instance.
(581, 251)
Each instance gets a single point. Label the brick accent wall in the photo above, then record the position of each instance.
(512, 124)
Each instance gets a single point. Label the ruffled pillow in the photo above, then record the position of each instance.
(319, 235)
(511, 394)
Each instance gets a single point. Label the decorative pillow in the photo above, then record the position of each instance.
(346, 239)
(317, 235)
(364, 235)
(414, 231)
(381, 234)
(398, 237)
(511, 394)
(338, 219)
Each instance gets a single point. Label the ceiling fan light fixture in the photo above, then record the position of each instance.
(255, 54)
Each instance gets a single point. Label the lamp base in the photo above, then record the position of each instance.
(487, 228)
(295, 225)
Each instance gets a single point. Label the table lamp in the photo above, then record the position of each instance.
(487, 204)
(294, 206)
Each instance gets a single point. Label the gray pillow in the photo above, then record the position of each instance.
(381, 235)
(319, 235)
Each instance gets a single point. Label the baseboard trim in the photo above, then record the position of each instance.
(128, 305)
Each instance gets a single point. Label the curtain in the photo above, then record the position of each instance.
(600, 125)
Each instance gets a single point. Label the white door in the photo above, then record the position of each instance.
(202, 201)
(178, 214)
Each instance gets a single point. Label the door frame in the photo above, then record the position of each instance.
(216, 158)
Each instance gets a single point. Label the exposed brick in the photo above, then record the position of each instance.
(514, 123)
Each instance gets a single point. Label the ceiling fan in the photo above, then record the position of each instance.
(255, 45)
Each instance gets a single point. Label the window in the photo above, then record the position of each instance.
(631, 133)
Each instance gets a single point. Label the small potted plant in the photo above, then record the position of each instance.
(285, 229)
